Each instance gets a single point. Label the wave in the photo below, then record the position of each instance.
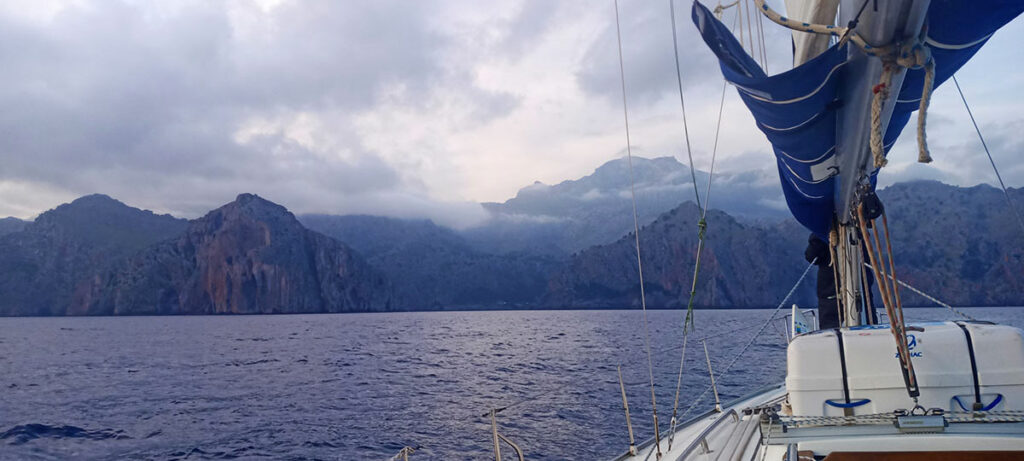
(24, 433)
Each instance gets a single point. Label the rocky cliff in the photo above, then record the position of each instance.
(960, 244)
(435, 268)
(99, 256)
(249, 256)
(742, 265)
(41, 264)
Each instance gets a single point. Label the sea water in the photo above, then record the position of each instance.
(362, 386)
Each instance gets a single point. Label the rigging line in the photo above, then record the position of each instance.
(927, 296)
(725, 371)
(850, 26)
(1009, 201)
(730, 332)
(750, 31)
(764, 44)
(755, 49)
(636, 229)
(739, 11)
(679, 387)
(714, 152)
(682, 102)
(702, 225)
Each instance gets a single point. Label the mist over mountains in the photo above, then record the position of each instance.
(560, 246)
(596, 209)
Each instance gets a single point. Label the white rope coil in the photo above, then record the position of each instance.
(917, 55)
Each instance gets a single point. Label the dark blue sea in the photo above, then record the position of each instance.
(362, 386)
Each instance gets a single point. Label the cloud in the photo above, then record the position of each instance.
(177, 107)
(391, 107)
(647, 54)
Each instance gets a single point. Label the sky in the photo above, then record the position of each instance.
(417, 109)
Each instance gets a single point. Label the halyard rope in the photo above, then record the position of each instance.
(636, 230)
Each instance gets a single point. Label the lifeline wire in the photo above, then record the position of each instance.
(636, 228)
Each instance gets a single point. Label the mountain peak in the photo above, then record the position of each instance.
(10, 225)
(95, 198)
(92, 202)
(256, 205)
(249, 208)
(248, 256)
(246, 197)
(91, 209)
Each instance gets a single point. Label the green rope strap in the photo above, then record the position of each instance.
(702, 227)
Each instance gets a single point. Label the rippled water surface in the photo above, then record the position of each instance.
(361, 386)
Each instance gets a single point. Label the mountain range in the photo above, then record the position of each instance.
(573, 215)
(569, 245)
(250, 256)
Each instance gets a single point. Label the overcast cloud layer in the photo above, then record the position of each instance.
(402, 108)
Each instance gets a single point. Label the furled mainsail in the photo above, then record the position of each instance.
(805, 44)
(797, 109)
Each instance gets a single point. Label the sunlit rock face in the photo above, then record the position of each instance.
(249, 256)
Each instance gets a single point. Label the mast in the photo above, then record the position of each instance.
(879, 23)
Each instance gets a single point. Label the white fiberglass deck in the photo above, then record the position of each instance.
(737, 433)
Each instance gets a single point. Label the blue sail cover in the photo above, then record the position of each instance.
(796, 109)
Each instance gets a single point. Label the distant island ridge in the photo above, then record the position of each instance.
(568, 245)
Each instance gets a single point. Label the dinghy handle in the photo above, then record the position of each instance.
(999, 398)
(853, 404)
